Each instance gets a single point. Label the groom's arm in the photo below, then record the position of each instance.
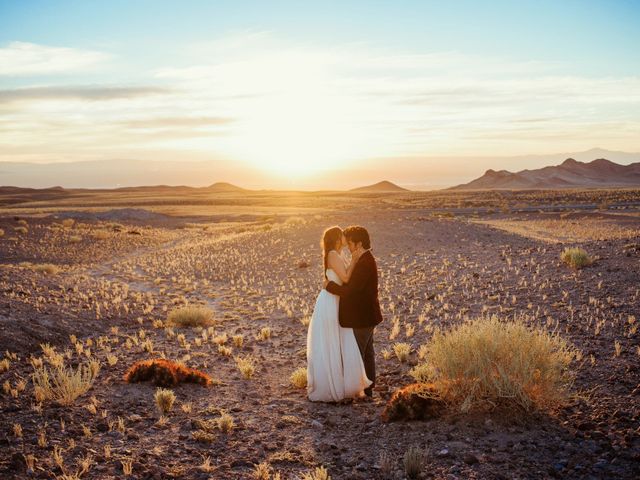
(356, 283)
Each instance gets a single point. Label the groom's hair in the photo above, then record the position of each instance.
(356, 234)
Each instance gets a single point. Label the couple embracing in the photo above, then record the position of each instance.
(340, 355)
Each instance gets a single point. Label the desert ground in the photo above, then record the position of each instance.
(94, 275)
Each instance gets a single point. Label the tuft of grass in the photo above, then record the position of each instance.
(101, 235)
(164, 400)
(191, 316)
(320, 473)
(225, 422)
(299, 377)
(576, 257)
(246, 365)
(413, 462)
(262, 471)
(64, 384)
(402, 351)
(264, 334)
(21, 230)
(75, 239)
(1, 232)
(203, 436)
(4, 365)
(47, 268)
(491, 361)
(224, 350)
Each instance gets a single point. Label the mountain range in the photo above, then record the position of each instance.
(569, 174)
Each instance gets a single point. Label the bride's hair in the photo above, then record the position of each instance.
(329, 239)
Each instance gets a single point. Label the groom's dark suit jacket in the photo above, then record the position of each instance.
(359, 305)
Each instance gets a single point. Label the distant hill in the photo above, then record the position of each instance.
(384, 186)
(570, 174)
(224, 187)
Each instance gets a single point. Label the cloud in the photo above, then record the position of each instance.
(253, 97)
(180, 122)
(23, 58)
(90, 93)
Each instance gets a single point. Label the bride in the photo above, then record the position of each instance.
(335, 369)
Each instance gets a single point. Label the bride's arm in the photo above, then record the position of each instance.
(336, 264)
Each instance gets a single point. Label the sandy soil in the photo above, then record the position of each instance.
(114, 287)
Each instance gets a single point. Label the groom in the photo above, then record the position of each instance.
(359, 306)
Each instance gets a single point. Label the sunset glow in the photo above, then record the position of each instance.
(268, 98)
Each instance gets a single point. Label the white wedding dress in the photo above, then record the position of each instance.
(334, 365)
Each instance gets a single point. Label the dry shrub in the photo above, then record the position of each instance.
(418, 401)
(165, 373)
(191, 316)
(488, 361)
(299, 378)
(68, 222)
(64, 384)
(576, 257)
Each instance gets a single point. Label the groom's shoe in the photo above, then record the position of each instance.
(368, 392)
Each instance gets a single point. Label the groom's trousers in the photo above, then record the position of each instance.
(364, 338)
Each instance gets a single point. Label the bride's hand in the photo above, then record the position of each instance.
(355, 256)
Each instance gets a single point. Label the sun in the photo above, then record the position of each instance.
(297, 135)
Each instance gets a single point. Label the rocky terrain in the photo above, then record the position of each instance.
(117, 277)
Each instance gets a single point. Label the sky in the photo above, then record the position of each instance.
(286, 94)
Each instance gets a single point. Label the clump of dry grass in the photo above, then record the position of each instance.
(262, 471)
(75, 239)
(165, 373)
(488, 361)
(4, 365)
(21, 230)
(246, 365)
(164, 400)
(47, 268)
(64, 384)
(320, 473)
(413, 462)
(225, 422)
(191, 316)
(576, 257)
(264, 334)
(100, 235)
(402, 351)
(299, 377)
(1, 232)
